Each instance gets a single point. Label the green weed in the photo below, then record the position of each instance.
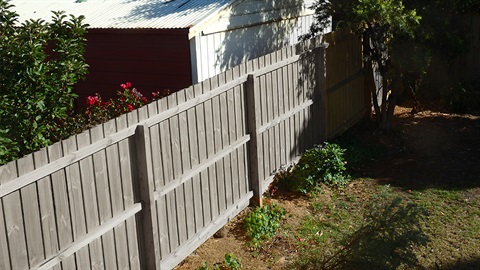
(262, 223)
(229, 262)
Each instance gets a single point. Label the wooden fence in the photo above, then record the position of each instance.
(144, 190)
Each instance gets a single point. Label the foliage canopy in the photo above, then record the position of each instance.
(382, 24)
(40, 64)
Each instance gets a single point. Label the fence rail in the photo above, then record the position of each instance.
(144, 190)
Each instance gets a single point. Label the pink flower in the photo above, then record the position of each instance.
(154, 94)
(144, 99)
(130, 107)
(91, 100)
(126, 85)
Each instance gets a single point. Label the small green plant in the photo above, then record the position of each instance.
(262, 222)
(321, 164)
(204, 266)
(230, 262)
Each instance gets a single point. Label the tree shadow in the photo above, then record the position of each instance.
(472, 264)
(386, 239)
(425, 150)
(168, 9)
(434, 150)
(256, 28)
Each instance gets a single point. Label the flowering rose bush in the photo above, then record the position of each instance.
(98, 111)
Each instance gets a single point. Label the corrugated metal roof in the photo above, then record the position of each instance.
(122, 14)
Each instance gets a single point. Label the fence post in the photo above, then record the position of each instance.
(321, 89)
(252, 128)
(149, 244)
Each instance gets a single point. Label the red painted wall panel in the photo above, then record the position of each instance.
(151, 59)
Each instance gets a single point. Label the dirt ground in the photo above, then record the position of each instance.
(430, 148)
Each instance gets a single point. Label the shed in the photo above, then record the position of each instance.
(159, 44)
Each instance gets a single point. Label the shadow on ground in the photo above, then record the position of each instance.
(428, 149)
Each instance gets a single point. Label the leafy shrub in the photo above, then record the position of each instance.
(321, 164)
(41, 63)
(262, 222)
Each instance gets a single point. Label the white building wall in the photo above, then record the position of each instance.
(216, 51)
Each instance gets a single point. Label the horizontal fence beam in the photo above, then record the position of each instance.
(275, 66)
(200, 167)
(195, 101)
(90, 237)
(345, 81)
(284, 116)
(63, 162)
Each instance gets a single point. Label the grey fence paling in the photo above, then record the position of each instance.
(147, 188)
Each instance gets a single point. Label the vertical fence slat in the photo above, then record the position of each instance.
(185, 157)
(30, 211)
(128, 194)
(62, 210)
(202, 156)
(219, 187)
(239, 100)
(158, 180)
(169, 199)
(91, 204)
(227, 188)
(75, 194)
(196, 189)
(178, 201)
(270, 104)
(321, 92)
(233, 135)
(4, 252)
(162, 159)
(13, 221)
(210, 144)
(104, 198)
(47, 210)
(276, 113)
(117, 201)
